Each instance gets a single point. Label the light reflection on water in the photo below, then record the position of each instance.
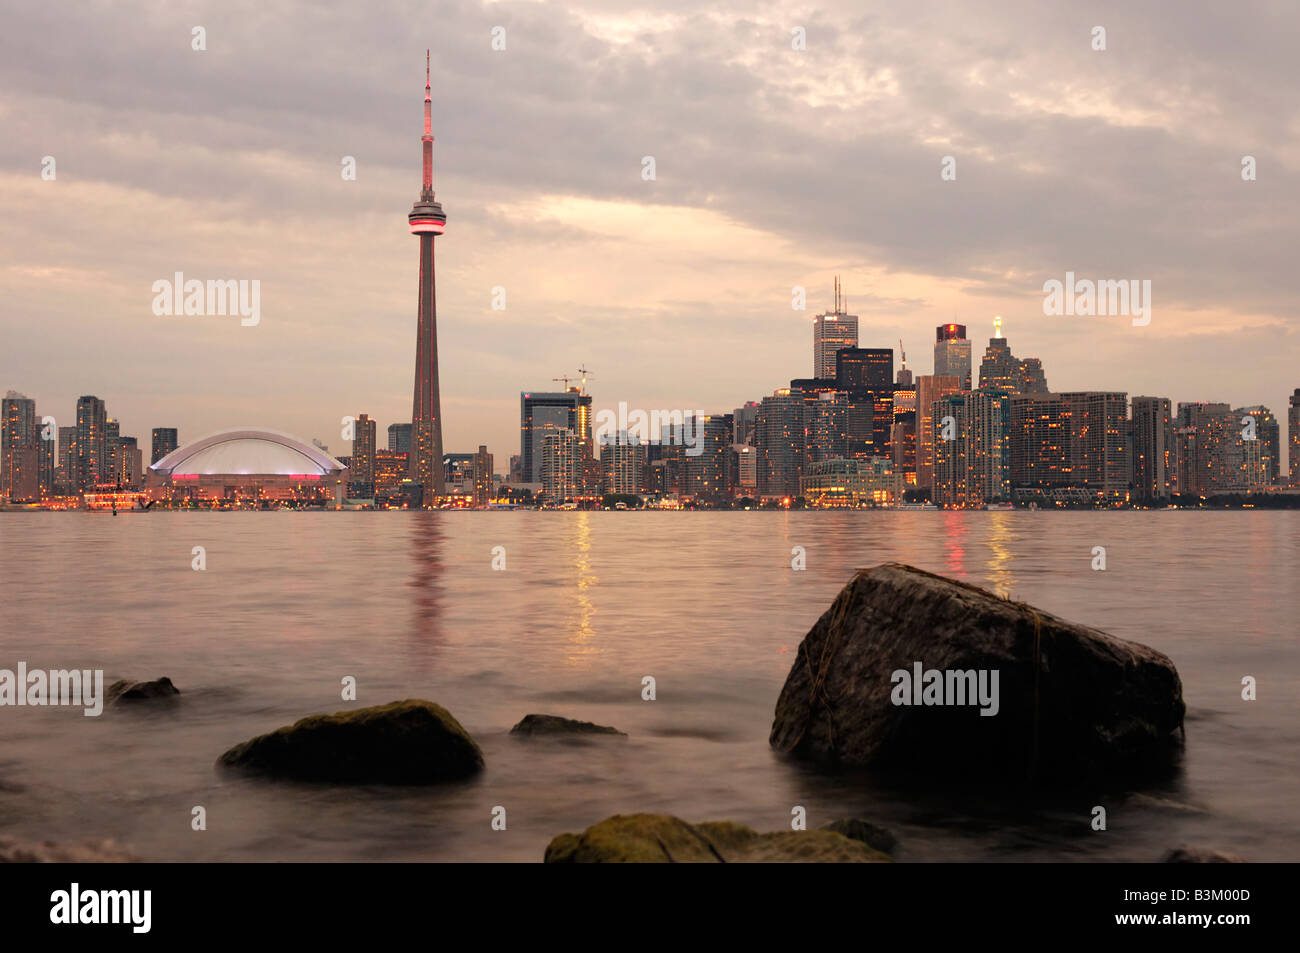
(589, 604)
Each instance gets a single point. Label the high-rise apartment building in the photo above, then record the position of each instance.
(623, 463)
(1293, 436)
(543, 413)
(19, 433)
(92, 444)
(164, 442)
(781, 439)
(1261, 463)
(743, 419)
(871, 367)
(483, 477)
(708, 475)
(399, 438)
(559, 461)
(1154, 448)
(361, 468)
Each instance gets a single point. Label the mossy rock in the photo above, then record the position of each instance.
(403, 742)
(873, 835)
(553, 726)
(662, 838)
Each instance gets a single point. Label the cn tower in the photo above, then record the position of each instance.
(427, 220)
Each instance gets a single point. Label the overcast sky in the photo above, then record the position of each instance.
(775, 168)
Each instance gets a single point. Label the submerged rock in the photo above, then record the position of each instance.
(662, 838)
(1003, 691)
(555, 726)
(128, 691)
(404, 742)
(873, 835)
(1190, 854)
(13, 851)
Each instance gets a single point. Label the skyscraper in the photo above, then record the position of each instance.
(1001, 369)
(952, 353)
(781, 439)
(865, 367)
(542, 413)
(1153, 448)
(19, 433)
(482, 476)
(164, 442)
(1261, 457)
(399, 438)
(1293, 436)
(92, 450)
(427, 220)
(361, 468)
(929, 388)
(559, 453)
(831, 331)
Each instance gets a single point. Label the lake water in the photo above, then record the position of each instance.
(589, 604)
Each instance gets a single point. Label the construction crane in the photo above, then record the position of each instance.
(565, 380)
(583, 371)
(902, 354)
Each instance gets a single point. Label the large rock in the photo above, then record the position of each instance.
(1195, 854)
(128, 691)
(14, 851)
(662, 838)
(873, 835)
(553, 726)
(1071, 702)
(406, 742)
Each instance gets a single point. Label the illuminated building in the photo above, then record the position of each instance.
(427, 220)
(482, 476)
(560, 465)
(361, 467)
(952, 353)
(780, 436)
(247, 467)
(871, 367)
(974, 468)
(391, 470)
(543, 413)
(399, 438)
(112, 457)
(130, 463)
(623, 463)
(743, 420)
(1260, 458)
(929, 388)
(708, 475)
(902, 442)
(1293, 436)
(832, 331)
(746, 468)
(1003, 370)
(19, 449)
(164, 442)
(92, 449)
(1154, 448)
(851, 483)
(1075, 440)
(65, 471)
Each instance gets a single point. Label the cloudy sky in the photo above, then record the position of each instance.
(775, 168)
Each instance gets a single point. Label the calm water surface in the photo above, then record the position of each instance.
(707, 603)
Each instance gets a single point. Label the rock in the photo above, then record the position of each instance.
(404, 742)
(1094, 707)
(873, 835)
(1189, 854)
(127, 691)
(661, 838)
(14, 851)
(555, 726)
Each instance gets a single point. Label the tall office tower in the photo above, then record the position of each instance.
(623, 463)
(1261, 457)
(427, 220)
(743, 419)
(871, 367)
(399, 438)
(831, 331)
(988, 446)
(112, 448)
(951, 429)
(902, 442)
(1153, 449)
(929, 388)
(542, 413)
(92, 454)
(65, 471)
(164, 442)
(952, 353)
(361, 468)
(559, 460)
(483, 477)
(46, 440)
(19, 429)
(1003, 370)
(780, 437)
(1293, 436)
(708, 475)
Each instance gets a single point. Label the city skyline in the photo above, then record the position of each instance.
(683, 265)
